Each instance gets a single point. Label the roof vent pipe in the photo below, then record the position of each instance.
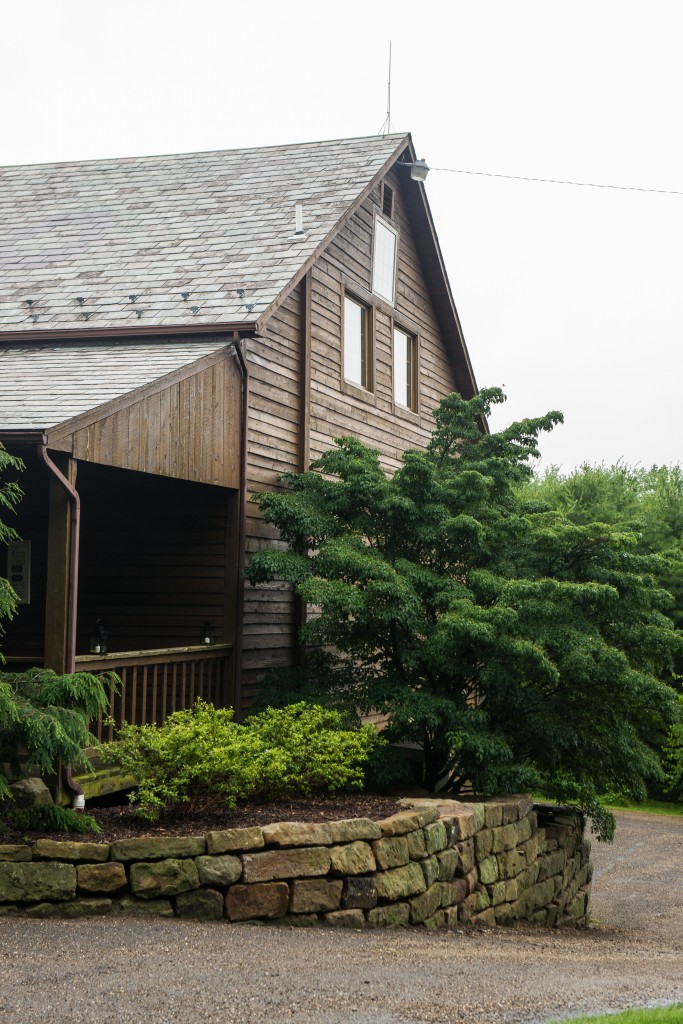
(299, 219)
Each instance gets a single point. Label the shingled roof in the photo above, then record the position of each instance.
(161, 241)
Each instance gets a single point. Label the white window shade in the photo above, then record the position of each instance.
(384, 262)
(355, 343)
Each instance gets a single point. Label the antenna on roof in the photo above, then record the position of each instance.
(387, 127)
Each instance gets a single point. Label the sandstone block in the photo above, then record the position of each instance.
(40, 910)
(345, 919)
(30, 793)
(482, 900)
(435, 922)
(158, 848)
(449, 893)
(275, 864)
(359, 894)
(352, 829)
(313, 895)
(400, 882)
(270, 899)
(170, 877)
(416, 845)
(36, 882)
(466, 855)
(504, 838)
(471, 879)
(399, 824)
(221, 869)
(448, 864)
(353, 858)
(451, 917)
(496, 893)
(145, 908)
(296, 833)
(483, 843)
(14, 853)
(436, 838)
(391, 853)
(530, 849)
(466, 908)
(200, 905)
(465, 824)
(234, 840)
(511, 890)
(493, 814)
(511, 863)
(524, 830)
(396, 915)
(485, 918)
(49, 849)
(430, 869)
(85, 908)
(101, 877)
(505, 913)
(488, 870)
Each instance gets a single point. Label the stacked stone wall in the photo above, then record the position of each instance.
(437, 863)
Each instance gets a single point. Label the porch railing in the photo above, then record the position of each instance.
(156, 683)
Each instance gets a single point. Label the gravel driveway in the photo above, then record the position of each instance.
(173, 972)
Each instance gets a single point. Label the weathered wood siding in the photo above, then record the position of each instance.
(275, 410)
(338, 408)
(278, 418)
(187, 427)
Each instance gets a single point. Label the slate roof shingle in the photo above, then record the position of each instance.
(153, 227)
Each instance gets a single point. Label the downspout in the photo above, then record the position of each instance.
(242, 523)
(72, 601)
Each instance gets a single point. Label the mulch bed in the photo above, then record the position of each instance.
(119, 822)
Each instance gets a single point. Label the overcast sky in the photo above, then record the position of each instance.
(569, 297)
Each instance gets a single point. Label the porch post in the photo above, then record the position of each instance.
(58, 556)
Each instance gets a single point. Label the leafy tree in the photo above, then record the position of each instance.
(521, 649)
(10, 495)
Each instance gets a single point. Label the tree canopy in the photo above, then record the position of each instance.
(519, 648)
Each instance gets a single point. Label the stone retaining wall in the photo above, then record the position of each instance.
(438, 863)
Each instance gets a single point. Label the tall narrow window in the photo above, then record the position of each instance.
(384, 261)
(405, 370)
(356, 343)
(387, 200)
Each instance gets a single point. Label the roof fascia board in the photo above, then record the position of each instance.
(114, 405)
(94, 333)
(349, 212)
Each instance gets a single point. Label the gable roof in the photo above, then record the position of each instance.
(77, 240)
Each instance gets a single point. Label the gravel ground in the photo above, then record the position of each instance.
(158, 971)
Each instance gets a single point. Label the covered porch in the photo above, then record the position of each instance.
(131, 541)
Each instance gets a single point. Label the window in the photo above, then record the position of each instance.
(405, 369)
(387, 200)
(357, 343)
(384, 261)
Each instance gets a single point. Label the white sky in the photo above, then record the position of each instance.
(570, 298)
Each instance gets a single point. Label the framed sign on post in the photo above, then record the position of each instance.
(19, 569)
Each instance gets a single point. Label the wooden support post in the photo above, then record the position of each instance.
(58, 548)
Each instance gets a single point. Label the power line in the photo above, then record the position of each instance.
(557, 181)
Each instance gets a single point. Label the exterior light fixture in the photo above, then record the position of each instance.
(98, 639)
(208, 634)
(419, 170)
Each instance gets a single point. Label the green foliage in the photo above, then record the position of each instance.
(51, 818)
(10, 495)
(200, 758)
(44, 717)
(522, 649)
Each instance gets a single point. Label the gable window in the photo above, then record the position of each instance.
(387, 200)
(357, 343)
(405, 369)
(384, 261)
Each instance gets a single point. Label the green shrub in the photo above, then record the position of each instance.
(44, 718)
(201, 759)
(51, 818)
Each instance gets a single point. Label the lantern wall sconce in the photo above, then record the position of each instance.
(98, 639)
(208, 634)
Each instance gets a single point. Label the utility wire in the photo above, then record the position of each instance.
(557, 181)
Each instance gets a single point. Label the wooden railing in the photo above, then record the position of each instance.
(156, 683)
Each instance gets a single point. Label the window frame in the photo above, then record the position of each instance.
(392, 229)
(408, 331)
(352, 386)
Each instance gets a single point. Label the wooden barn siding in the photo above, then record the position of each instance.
(188, 430)
(270, 613)
(372, 417)
(154, 559)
